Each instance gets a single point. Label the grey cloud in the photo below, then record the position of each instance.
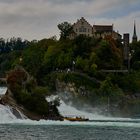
(39, 18)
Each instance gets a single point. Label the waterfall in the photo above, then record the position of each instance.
(3, 90)
(7, 113)
(68, 110)
(7, 116)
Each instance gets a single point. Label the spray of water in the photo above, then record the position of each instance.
(6, 114)
(3, 90)
(7, 117)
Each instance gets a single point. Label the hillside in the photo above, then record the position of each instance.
(80, 62)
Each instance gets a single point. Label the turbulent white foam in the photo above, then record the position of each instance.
(51, 98)
(6, 114)
(7, 117)
(94, 124)
(67, 110)
(3, 90)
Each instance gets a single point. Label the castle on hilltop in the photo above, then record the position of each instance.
(82, 27)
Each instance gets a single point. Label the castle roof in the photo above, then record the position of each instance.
(103, 28)
(82, 19)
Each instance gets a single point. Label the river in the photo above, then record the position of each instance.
(101, 128)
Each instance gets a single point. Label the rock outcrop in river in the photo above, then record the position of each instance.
(25, 96)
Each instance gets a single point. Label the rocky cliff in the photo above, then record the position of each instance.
(25, 96)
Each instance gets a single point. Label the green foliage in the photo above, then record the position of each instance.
(106, 87)
(65, 29)
(107, 57)
(27, 93)
(93, 57)
(136, 65)
(37, 104)
(83, 45)
(130, 107)
(41, 90)
(7, 61)
(30, 84)
(45, 59)
(93, 69)
(108, 90)
(82, 64)
(78, 79)
(59, 56)
(32, 58)
(135, 54)
(128, 82)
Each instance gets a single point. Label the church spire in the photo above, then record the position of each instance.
(134, 39)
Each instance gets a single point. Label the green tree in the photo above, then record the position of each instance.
(135, 54)
(109, 55)
(32, 58)
(65, 29)
(110, 91)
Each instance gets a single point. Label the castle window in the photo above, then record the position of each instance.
(82, 29)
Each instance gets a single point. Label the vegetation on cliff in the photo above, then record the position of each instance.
(26, 92)
(80, 61)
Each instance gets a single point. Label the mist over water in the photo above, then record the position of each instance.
(67, 110)
(7, 117)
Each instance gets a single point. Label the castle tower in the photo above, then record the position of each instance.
(134, 38)
(126, 46)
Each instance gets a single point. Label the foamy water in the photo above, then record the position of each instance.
(6, 114)
(3, 90)
(7, 117)
(67, 110)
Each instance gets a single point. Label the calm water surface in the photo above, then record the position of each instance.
(67, 132)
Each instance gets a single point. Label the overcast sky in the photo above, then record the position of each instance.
(37, 19)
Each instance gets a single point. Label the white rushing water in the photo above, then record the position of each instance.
(3, 90)
(7, 117)
(67, 110)
(6, 114)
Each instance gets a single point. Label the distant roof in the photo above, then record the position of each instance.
(103, 28)
(82, 19)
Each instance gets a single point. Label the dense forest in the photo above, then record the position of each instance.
(76, 61)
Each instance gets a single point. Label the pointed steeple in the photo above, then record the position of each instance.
(134, 39)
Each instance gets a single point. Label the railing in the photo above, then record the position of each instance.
(115, 71)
